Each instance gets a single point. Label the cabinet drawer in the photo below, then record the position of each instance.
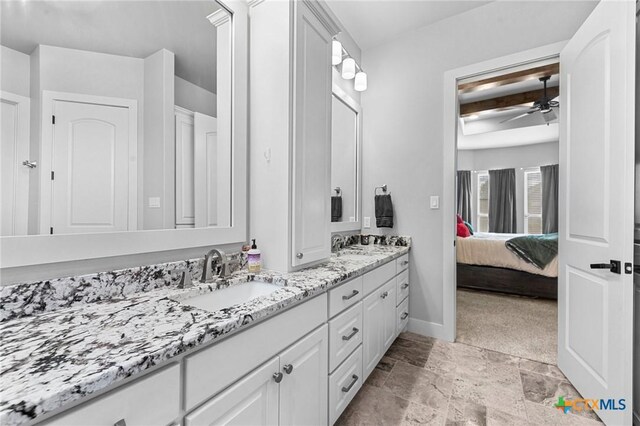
(348, 294)
(402, 263)
(345, 334)
(378, 277)
(403, 315)
(402, 286)
(151, 400)
(344, 383)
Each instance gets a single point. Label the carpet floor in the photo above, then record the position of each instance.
(519, 326)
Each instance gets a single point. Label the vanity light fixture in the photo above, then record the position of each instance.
(348, 68)
(336, 52)
(360, 83)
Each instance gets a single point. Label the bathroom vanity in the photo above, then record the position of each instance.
(296, 355)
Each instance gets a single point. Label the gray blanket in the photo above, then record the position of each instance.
(538, 250)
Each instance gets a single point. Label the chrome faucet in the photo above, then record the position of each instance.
(336, 242)
(207, 272)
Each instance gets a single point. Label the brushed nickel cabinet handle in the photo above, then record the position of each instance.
(354, 293)
(384, 295)
(300, 255)
(354, 331)
(353, 382)
(404, 316)
(405, 285)
(405, 262)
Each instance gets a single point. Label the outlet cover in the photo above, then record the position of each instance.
(367, 222)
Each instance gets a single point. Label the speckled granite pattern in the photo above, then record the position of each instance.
(30, 298)
(53, 358)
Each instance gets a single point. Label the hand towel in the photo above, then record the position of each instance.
(336, 208)
(384, 211)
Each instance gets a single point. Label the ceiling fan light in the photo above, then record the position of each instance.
(336, 52)
(360, 83)
(348, 68)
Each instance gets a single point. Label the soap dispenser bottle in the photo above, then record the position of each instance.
(255, 263)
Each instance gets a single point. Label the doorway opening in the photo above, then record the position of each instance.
(507, 210)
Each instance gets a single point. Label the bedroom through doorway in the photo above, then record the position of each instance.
(507, 211)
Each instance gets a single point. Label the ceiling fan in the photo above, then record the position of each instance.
(543, 105)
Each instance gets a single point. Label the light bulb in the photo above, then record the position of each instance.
(336, 52)
(360, 84)
(348, 68)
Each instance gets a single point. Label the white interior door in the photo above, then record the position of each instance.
(207, 174)
(185, 204)
(595, 306)
(90, 165)
(14, 140)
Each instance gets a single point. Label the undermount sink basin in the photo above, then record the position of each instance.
(233, 295)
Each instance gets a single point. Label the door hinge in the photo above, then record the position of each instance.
(52, 175)
(51, 230)
(53, 119)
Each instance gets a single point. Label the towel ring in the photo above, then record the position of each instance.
(383, 188)
(338, 190)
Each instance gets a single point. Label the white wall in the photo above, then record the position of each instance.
(403, 121)
(15, 73)
(519, 158)
(194, 98)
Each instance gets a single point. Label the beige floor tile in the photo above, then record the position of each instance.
(541, 368)
(410, 351)
(419, 385)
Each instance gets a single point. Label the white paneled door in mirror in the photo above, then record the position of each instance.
(346, 119)
(105, 84)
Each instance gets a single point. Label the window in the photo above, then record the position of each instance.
(483, 202)
(533, 201)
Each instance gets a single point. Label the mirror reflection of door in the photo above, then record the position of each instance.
(113, 50)
(344, 148)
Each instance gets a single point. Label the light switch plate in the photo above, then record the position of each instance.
(154, 202)
(434, 202)
(367, 222)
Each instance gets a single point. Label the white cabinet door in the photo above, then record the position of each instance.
(252, 400)
(312, 140)
(304, 387)
(388, 314)
(372, 324)
(185, 203)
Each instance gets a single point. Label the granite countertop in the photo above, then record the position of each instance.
(54, 358)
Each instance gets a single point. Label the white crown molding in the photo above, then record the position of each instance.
(219, 17)
(320, 10)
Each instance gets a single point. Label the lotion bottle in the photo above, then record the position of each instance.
(255, 263)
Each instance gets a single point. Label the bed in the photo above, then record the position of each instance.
(485, 263)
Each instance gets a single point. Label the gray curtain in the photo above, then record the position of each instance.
(464, 195)
(549, 198)
(502, 201)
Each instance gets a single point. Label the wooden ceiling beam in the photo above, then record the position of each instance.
(507, 101)
(514, 77)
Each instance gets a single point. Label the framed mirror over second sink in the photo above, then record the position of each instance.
(346, 153)
(119, 128)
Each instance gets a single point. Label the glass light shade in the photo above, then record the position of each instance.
(360, 84)
(336, 52)
(348, 68)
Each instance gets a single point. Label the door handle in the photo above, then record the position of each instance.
(613, 266)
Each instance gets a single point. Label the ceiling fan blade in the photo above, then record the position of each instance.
(519, 116)
(549, 116)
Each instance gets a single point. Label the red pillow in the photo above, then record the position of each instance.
(459, 218)
(463, 231)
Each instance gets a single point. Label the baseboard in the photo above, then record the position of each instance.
(429, 329)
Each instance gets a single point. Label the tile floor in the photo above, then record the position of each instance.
(427, 381)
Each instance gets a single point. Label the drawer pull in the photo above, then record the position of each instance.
(405, 285)
(404, 316)
(288, 368)
(354, 331)
(120, 422)
(277, 377)
(354, 293)
(353, 382)
(384, 295)
(405, 263)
